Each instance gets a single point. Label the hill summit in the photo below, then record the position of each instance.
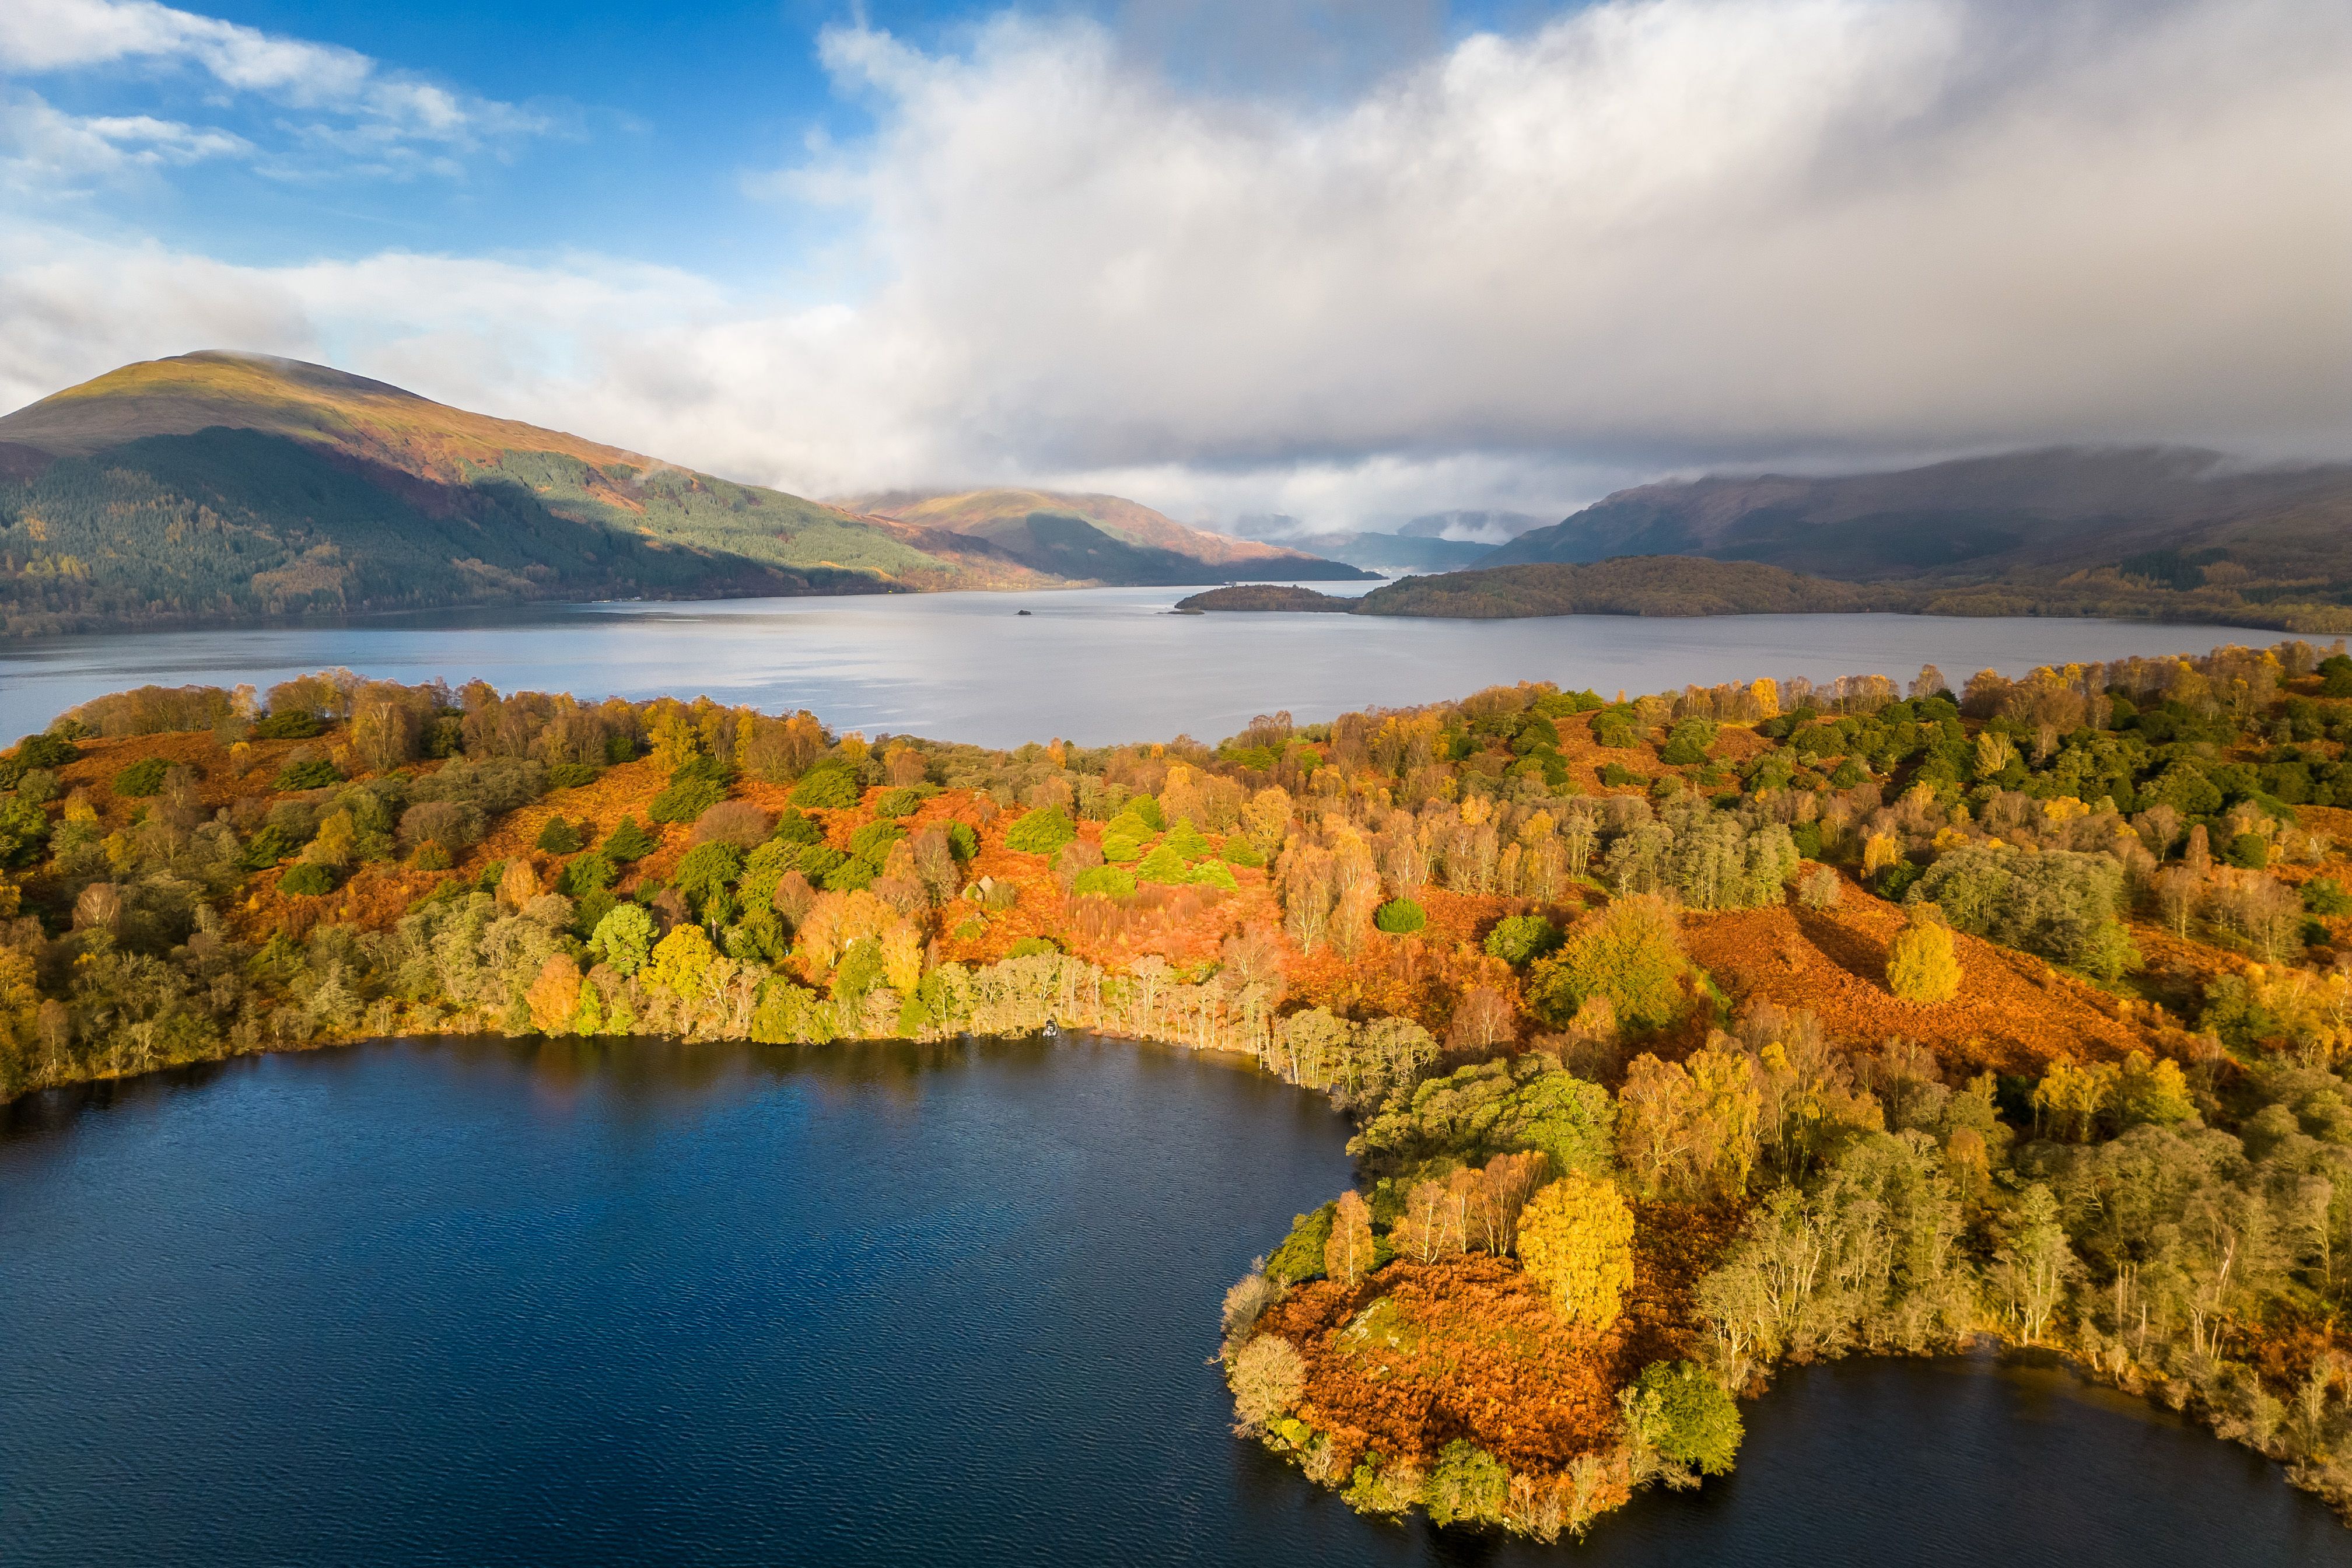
(222, 485)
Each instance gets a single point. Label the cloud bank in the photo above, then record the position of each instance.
(1657, 235)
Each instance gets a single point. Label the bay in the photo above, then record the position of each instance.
(481, 1300)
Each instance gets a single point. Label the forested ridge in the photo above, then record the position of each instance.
(1687, 1035)
(1698, 585)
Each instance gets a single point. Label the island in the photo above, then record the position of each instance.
(1685, 1037)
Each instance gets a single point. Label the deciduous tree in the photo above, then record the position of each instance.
(1577, 1237)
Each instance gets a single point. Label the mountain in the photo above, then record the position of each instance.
(2170, 536)
(1095, 536)
(1401, 551)
(2134, 518)
(225, 487)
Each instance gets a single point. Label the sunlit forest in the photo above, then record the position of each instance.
(1687, 1036)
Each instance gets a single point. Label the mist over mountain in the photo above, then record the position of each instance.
(1385, 553)
(1472, 527)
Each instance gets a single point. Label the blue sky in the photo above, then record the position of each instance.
(651, 119)
(1344, 260)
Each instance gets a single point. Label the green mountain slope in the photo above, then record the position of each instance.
(231, 487)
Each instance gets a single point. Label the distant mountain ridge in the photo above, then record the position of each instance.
(221, 486)
(1094, 535)
(2038, 516)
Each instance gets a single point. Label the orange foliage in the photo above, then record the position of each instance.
(2014, 1014)
(1469, 1346)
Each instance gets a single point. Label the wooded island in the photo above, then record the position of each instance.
(1687, 1035)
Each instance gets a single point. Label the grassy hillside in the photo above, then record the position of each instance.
(234, 487)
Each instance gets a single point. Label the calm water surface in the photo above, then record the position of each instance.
(1094, 666)
(478, 1302)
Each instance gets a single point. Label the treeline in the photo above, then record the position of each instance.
(1700, 585)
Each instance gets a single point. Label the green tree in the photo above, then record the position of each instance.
(1399, 917)
(1468, 1486)
(686, 800)
(308, 880)
(1488, 1108)
(1631, 955)
(629, 842)
(1521, 939)
(1685, 1415)
(142, 779)
(1041, 831)
(623, 938)
(830, 787)
(707, 871)
(1687, 745)
(1164, 866)
(2029, 1274)
(1300, 1256)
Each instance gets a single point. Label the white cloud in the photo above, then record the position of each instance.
(41, 144)
(1680, 231)
(395, 107)
(1650, 237)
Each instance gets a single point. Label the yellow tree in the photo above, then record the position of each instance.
(554, 996)
(676, 740)
(1920, 963)
(1577, 1237)
(2069, 1096)
(681, 963)
(1348, 1255)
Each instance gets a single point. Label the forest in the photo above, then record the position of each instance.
(1685, 1035)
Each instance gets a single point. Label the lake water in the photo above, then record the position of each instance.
(1093, 666)
(481, 1301)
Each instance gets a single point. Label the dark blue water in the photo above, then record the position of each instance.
(465, 1303)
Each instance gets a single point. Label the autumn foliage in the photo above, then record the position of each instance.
(1576, 1239)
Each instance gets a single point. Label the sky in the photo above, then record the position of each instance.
(1345, 260)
